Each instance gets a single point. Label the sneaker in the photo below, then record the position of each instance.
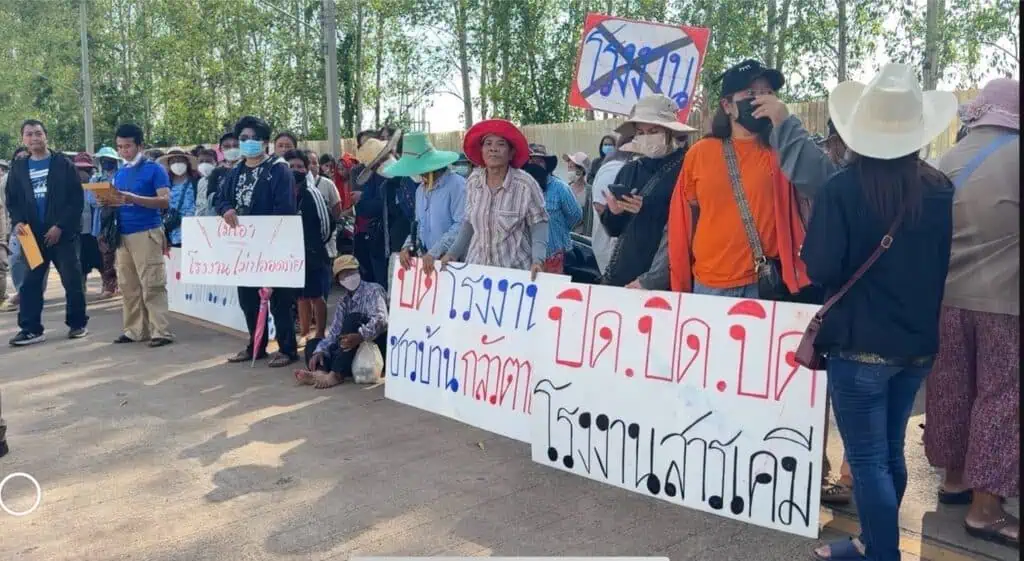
(24, 338)
(78, 333)
(9, 305)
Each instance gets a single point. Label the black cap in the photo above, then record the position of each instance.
(740, 76)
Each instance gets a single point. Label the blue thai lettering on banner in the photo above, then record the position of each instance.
(417, 360)
(477, 294)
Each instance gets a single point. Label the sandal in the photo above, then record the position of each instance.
(244, 356)
(964, 497)
(836, 494)
(994, 532)
(842, 550)
(280, 360)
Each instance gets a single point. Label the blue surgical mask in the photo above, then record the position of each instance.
(251, 148)
(607, 149)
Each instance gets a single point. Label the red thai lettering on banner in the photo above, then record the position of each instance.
(693, 342)
(668, 315)
(607, 326)
(415, 287)
(785, 366)
(242, 231)
(572, 356)
(746, 370)
(490, 377)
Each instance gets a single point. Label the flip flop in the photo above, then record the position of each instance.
(842, 550)
(964, 497)
(994, 532)
(280, 360)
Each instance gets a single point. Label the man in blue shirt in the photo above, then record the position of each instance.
(44, 195)
(144, 191)
(261, 185)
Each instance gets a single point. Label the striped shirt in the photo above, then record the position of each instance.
(501, 219)
(565, 212)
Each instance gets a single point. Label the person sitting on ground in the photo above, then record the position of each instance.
(361, 315)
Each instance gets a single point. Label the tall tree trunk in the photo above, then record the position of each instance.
(932, 69)
(467, 91)
(769, 36)
(780, 42)
(485, 15)
(843, 41)
(379, 64)
(357, 72)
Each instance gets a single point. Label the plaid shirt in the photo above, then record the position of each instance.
(502, 218)
(369, 299)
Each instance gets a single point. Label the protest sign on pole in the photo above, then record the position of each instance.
(620, 60)
(260, 251)
(691, 399)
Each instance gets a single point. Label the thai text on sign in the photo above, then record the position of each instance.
(620, 61)
(260, 251)
(691, 399)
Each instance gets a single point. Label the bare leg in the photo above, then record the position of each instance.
(320, 316)
(305, 315)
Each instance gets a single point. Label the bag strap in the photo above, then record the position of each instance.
(741, 201)
(181, 196)
(648, 187)
(981, 156)
(882, 247)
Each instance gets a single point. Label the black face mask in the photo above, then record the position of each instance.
(300, 178)
(747, 120)
(539, 173)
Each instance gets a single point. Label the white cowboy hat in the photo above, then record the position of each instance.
(891, 116)
(654, 109)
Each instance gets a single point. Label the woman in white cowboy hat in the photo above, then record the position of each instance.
(881, 230)
(976, 381)
(636, 211)
(181, 167)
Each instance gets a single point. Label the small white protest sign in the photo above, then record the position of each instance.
(262, 251)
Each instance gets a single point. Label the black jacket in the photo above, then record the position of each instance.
(64, 198)
(893, 310)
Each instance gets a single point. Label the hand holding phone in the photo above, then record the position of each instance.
(620, 191)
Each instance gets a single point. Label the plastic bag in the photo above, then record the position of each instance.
(367, 364)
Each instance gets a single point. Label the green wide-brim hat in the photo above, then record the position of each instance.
(419, 157)
(108, 152)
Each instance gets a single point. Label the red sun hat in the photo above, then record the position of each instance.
(472, 145)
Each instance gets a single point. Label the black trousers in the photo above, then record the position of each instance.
(336, 359)
(65, 257)
(282, 306)
(373, 265)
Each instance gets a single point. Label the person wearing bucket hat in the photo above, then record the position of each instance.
(89, 255)
(636, 205)
(109, 162)
(976, 378)
(440, 198)
(385, 210)
(578, 164)
(361, 316)
(506, 224)
(563, 211)
(884, 272)
(735, 225)
(181, 168)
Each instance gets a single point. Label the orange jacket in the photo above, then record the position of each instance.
(788, 226)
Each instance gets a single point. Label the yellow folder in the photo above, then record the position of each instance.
(30, 249)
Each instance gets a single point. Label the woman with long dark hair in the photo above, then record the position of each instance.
(882, 335)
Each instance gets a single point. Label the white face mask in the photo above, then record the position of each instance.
(350, 283)
(384, 164)
(416, 178)
(179, 168)
(205, 168)
(651, 145)
(232, 154)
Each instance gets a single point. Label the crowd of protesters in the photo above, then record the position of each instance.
(919, 263)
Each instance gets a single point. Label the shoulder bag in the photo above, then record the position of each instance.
(669, 164)
(769, 271)
(806, 354)
(172, 219)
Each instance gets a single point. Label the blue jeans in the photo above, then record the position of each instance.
(747, 291)
(872, 404)
(18, 265)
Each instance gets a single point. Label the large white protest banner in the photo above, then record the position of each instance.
(621, 60)
(260, 251)
(216, 304)
(691, 399)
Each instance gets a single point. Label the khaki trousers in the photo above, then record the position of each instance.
(143, 283)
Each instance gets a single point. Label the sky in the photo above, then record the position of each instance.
(445, 113)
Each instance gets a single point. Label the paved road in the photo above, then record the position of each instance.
(170, 454)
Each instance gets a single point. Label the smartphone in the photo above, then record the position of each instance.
(620, 191)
